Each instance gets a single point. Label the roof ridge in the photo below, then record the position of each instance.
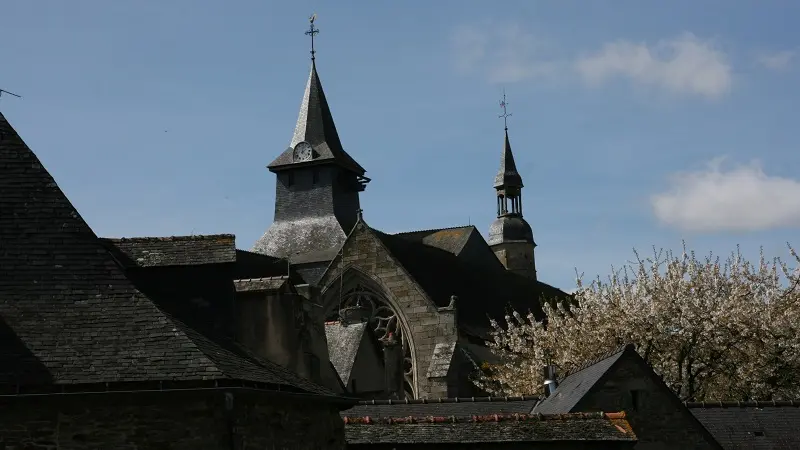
(420, 401)
(598, 359)
(190, 237)
(367, 420)
(432, 230)
(743, 404)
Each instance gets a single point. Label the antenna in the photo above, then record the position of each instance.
(3, 91)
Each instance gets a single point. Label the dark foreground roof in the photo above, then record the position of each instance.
(463, 406)
(487, 429)
(751, 425)
(577, 383)
(68, 313)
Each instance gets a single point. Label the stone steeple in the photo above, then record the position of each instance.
(510, 235)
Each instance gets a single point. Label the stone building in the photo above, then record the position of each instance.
(117, 343)
(431, 290)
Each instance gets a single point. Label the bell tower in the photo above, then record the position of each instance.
(510, 236)
(318, 182)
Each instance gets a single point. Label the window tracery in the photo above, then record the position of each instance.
(383, 320)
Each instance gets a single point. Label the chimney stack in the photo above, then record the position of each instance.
(550, 380)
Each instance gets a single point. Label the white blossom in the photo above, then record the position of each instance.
(712, 329)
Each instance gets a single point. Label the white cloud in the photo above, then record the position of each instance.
(684, 64)
(741, 199)
(502, 54)
(776, 61)
(509, 54)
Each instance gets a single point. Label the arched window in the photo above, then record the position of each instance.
(381, 318)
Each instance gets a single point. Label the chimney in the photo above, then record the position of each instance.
(393, 367)
(550, 381)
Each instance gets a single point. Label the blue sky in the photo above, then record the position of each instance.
(635, 123)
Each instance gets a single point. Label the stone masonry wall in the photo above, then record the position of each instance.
(657, 417)
(366, 254)
(156, 421)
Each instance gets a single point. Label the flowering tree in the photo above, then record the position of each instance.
(713, 329)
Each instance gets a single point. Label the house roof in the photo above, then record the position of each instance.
(344, 342)
(766, 425)
(174, 250)
(315, 126)
(462, 406)
(69, 314)
(577, 383)
(487, 429)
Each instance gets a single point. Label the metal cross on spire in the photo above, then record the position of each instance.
(506, 114)
(312, 31)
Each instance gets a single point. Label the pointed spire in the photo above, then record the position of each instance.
(315, 126)
(507, 176)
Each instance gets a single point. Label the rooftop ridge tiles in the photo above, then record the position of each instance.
(599, 358)
(518, 417)
(422, 401)
(276, 277)
(192, 237)
(743, 404)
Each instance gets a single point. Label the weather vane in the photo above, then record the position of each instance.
(506, 114)
(3, 91)
(312, 31)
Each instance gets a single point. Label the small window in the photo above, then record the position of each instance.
(290, 179)
(315, 176)
(758, 433)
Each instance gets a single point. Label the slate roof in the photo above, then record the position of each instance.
(487, 429)
(174, 250)
(577, 383)
(507, 175)
(343, 345)
(315, 125)
(68, 313)
(762, 425)
(463, 406)
(448, 239)
(480, 292)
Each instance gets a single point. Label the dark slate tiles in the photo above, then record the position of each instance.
(343, 344)
(751, 425)
(487, 429)
(444, 407)
(315, 125)
(175, 250)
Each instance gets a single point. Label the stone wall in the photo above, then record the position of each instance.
(366, 257)
(656, 415)
(168, 421)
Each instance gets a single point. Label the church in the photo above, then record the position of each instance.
(407, 313)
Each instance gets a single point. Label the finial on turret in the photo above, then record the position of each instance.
(506, 114)
(312, 31)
